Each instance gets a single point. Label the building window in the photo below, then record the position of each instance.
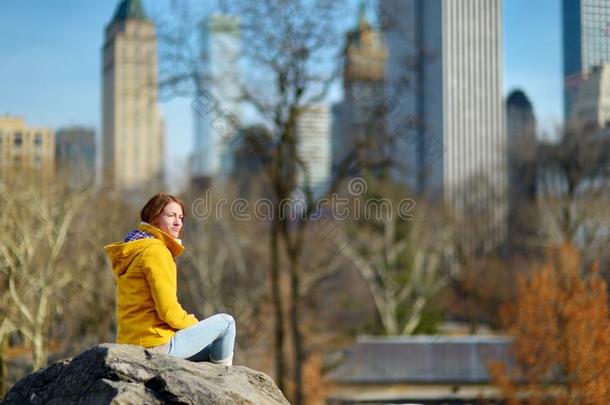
(38, 139)
(18, 140)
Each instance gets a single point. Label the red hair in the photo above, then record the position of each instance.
(153, 208)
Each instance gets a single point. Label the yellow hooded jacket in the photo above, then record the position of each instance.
(148, 312)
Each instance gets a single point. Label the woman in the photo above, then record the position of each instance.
(148, 312)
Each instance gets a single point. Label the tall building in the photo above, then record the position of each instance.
(520, 128)
(219, 120)
(522, 163)
(132, 129)
(313, 128)
(23, 147)
(360, 117)
(586, 43)
(591, 105)
(75, 155)
(444, 79)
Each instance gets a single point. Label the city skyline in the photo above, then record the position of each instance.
(68, 92)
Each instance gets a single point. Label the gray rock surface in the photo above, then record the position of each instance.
(124, 374)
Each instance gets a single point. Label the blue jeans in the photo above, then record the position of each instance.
(211, 339)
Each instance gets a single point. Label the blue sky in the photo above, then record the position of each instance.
(50, 64)
(532, 56)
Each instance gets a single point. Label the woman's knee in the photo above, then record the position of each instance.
(229, 319)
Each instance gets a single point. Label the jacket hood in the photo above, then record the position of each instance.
(122, 254)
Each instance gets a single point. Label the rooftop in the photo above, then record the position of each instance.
(422, 359)
(129, 9)
(517, 98)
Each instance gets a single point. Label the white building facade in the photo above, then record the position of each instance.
(313, 129)
(591, 106)
(444, 77)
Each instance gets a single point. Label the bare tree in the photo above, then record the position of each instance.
(6, 328)
(574, 187)
(39, 217)
(402, 258)
(88, 318)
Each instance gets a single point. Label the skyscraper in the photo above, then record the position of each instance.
(132, 130)
(586, 43)
(591, 104)
(220, 121)
(444, 77)
(520, 126)
(522, 162)
(360, 116)
(314, 147)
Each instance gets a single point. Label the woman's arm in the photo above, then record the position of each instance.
(160, 272)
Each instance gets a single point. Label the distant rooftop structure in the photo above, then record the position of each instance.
(517, 98)
(422, 359)
(427, 370)
(221, 23)
(129, 9)
(363, 18)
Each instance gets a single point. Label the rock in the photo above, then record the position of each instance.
(125, 374)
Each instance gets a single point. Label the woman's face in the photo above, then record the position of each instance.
(170, 219)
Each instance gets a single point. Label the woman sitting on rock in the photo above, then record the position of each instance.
(148, 311)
